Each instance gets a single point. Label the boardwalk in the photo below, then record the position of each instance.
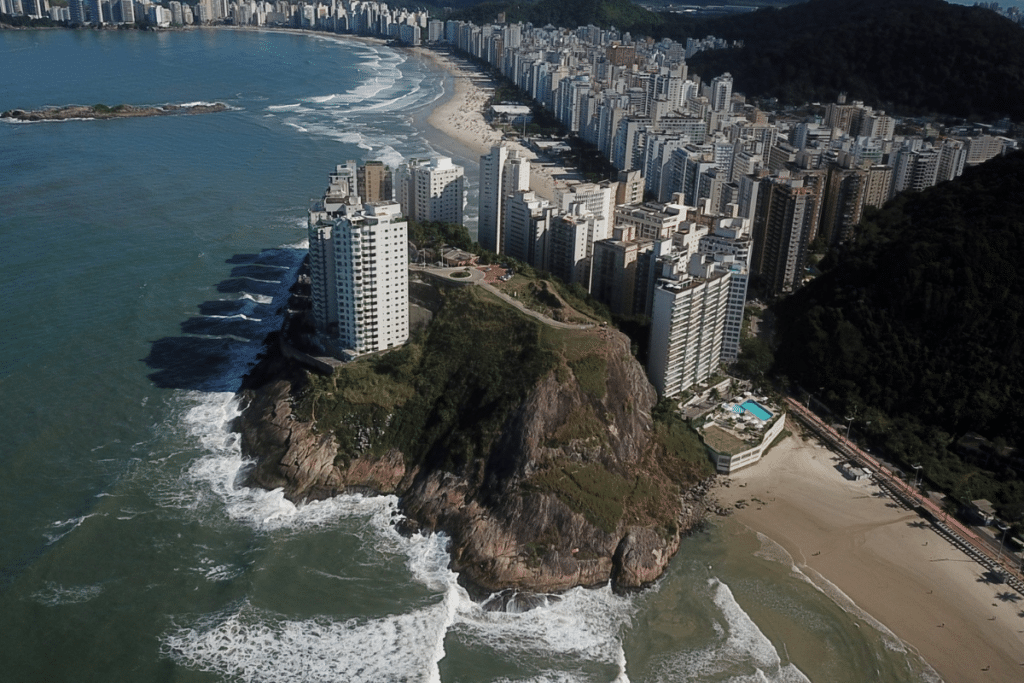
(955, 532)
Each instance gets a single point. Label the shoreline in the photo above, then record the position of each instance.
(460, 117)
(887, 560)
(457, 115)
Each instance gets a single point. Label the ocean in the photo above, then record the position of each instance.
(144, 261)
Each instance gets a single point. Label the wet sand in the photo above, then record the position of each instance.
(885, 558)
(461, 117)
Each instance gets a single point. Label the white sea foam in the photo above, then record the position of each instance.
(584, 624)
(55, 594)
(65, 527)
(301, 244)
(258, 298)
(283, 107)
(249, 644)
(390, 156)
(237, 316)
(256, 279)
(740, 654)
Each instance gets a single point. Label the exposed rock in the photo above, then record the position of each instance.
(99, 111)
(508, 529)
(640, 558)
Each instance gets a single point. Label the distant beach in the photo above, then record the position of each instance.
(460, 117)
(885, 558)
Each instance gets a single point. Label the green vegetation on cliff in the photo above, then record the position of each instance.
(447, 397)
(443, 397)
(917, 330)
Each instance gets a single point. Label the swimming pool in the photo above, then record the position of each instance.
(754, 408)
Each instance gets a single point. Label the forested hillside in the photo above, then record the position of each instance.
(917, 330)
(907, 57)
(911, 56)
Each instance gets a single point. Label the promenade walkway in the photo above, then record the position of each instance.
(952, 530)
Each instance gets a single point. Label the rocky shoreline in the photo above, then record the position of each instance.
(509, 534)
(101, 111)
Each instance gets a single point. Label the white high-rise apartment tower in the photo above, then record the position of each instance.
(433, 190)
(687, 324)
(359, 272)
(503, 172)
(721, 92)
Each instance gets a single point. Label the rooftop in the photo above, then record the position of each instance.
(732, 428)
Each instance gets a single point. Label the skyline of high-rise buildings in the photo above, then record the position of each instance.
(741, 193)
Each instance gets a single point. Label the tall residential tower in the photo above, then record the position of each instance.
(503, 172)
(359, 271)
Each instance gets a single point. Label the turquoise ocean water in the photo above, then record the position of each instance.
(143, 261)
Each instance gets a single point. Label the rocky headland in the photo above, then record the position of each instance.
(541, 452)
(102, 111)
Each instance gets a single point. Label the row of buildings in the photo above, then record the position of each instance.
(735, 192)
(364, 18)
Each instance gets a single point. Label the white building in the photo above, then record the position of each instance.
(729, 247)
(527, 220)
(358, 260)
(687, 325)
(433, 190)
(503, 172)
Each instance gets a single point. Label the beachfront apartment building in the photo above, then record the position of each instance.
(431, 190)
(728, 245)
(688, 316)
(359, 272)
(374, 182)
(527, 219)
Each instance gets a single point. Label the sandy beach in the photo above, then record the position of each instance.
(885, 558)
(461, 117)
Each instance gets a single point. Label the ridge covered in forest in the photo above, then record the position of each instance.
(915, 331)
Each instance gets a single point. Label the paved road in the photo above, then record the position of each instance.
(478, 276)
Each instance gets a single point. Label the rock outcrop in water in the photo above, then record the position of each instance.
(102, 111)
(567, 482)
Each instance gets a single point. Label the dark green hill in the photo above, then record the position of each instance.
(919, 329)
(622, 14)
(909, 56)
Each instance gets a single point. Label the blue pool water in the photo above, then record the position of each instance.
(755, 409)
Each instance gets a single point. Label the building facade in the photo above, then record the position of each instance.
(359, 272)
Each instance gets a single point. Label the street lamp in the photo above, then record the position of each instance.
(1004, 528)
(917, 475)
(849, 423)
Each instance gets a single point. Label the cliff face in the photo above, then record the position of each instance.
(574, 489)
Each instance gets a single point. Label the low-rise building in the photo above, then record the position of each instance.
(740, 432)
